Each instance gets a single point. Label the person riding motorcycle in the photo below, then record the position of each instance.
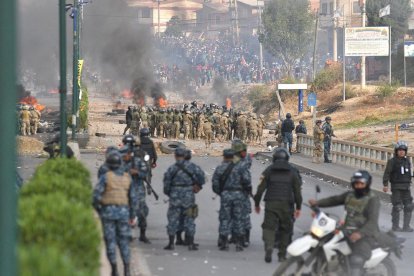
(361, 222)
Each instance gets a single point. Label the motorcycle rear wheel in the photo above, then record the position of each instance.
(291, 267)
(385, 268)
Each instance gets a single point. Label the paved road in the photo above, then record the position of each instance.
(153, 260)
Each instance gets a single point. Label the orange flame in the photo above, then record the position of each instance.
(162, 102)
(141, 101)
(126, 94)
(228, 103)
(30, 100)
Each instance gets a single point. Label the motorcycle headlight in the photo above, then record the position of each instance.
(318, 232)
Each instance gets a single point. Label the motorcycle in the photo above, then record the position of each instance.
(325, 250)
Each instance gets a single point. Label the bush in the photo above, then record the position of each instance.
(53, 221)
(70, 169)
(47, 184)
(386, 90)
(350, 92)
(328, 78)
(262, 99)
(45, 261)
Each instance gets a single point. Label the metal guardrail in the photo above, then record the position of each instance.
(357, 155)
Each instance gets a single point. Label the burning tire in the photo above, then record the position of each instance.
(169, 147)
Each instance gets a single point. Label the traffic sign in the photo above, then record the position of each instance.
(312, 99)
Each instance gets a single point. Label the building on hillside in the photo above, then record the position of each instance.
(156, 14)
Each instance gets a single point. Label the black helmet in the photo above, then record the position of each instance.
(281, 154)
(129, 138)
(110, 149)
(144, 132)
(361, 176)
(401, 145)
(328, 118)
(288, 115)
(114, 160)
(179, 152)
(318, 121)
(301, 121)
(187, 155)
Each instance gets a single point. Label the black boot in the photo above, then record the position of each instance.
(407, 220)
(179, 239)
(268, 255)
(170, 245)
(239, 243)
(246, 240)
(191, 245)
(224, 246)
(395, 218)
(143, 237)
(127, 270)
(114, 270)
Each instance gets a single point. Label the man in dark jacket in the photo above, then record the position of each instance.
(128, 119)
(287, 127)
(283, 200)
(361, 222)
(398, 172)
(300, 129)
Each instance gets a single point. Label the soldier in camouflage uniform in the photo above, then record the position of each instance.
(34, 119)
(300, 129)
(329, 133)
(138, 169)
(200, 121)
(278, 133)
(135, 121)
(231, 181)
(144, 118)
(208, 132)
(152, 116)
(177, 118)
(114, 199)
(318, 135)
(242, 126)
(187, 121)
(24, 121)
(180, 187)
(161, 124)
(262, 125)
(169, 123)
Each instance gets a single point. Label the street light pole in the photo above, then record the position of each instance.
(62, 72)
(335, 33)
(364, 17)
(8, 215)
(75, 89)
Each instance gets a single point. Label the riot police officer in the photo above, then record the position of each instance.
(283, 200)
(398, 172)
(114, 198)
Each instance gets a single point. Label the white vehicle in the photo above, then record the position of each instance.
(325, 251)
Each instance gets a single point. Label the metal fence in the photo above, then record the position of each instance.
(357, 155)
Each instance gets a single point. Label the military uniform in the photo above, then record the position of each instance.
(200, 121)
(300, 129)
(178, 186)
(232, 193)
(399, 173)
(144, 119)
(282, 184)
(187, 123)
(318, 135)
(242, 127)
(128, 119)
(208, 133)
(162, 123)
(25, 121)
(262, 125)
(34, 120)
(362, 216)
(177, 118)
(278, 133)
(329, 133)
(135, 122)
(115, 198)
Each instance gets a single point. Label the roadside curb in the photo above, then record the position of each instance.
(327, 177)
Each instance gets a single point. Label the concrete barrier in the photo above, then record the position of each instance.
(352, 154)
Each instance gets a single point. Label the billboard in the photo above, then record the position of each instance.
(408, 48)
(367, 41)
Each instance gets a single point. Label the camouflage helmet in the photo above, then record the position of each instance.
(238, 146)
(25, 107)
(318, 122)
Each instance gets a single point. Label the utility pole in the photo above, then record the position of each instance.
(335, 32)
(62, 72)
(159, 31)
(75, 88)
(315, 43)
(8, 246)
(260, 5)
(364, 17)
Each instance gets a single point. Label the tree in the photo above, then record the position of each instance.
(398, 18)
(174, 27)
(288, 31)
